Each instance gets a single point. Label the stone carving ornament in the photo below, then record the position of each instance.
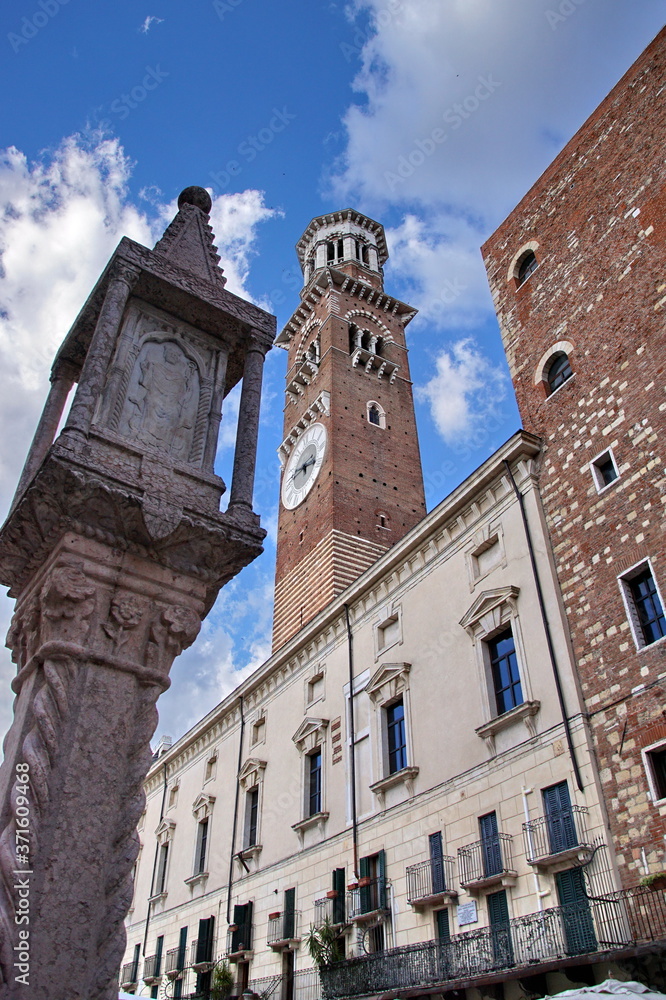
(162, 399)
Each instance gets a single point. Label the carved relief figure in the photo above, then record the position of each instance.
(162, 399)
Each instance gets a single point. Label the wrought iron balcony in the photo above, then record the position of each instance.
(303, 984)
(173, 966)
(603, 925)
(557, 836)
(487, 862)
(129, 975)
(332, 909)
(368, 900)
(430, 882)
(151, 969)
(283, 929)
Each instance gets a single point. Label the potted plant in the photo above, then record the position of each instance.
(352, 886)
(655, 882)
(364, 881)
(332, 894)
(323, 943)
(222, 982)
(274, 916)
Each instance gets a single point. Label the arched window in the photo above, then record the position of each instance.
(559, 371)
(526, 267)
(375, 414)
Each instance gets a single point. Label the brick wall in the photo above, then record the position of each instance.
(595, 220)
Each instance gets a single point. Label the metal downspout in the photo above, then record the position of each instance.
(235, 822)
(352, 739)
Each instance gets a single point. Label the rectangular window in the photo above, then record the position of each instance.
(252, 816)
(604, 470)
(646, 605)
(504, 667)
(160, 878)
(655, 763)
(241, 938)
(202, 840)
(314, 765)
(395, 732)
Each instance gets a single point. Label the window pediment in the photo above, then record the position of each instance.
(164, 831)
(490, 610)
(252, 772)
(203, 806)
(388, 681)
(310, 734)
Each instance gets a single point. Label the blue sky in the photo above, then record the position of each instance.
(432, 116)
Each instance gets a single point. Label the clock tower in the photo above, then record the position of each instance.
(351, 483)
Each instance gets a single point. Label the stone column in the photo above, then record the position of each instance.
(245, 458)
(93, 637)
(215, 415)
(63, 377)
(91, 381)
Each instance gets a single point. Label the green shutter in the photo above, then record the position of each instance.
(364, 892)
(158, 954)
(339, 884)
(381, 880)
(443, 930)
(205, 940)
(498, 910)
(289, 913)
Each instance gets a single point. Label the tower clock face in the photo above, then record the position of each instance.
(303, 467)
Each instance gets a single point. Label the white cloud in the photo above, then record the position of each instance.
(435, 261)
(465, 392)
(61, 217)
(149, 22)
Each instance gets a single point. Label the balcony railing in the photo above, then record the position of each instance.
(302, 985)
(430, 881)
(173, 967)
(557, 835)
(604, 924)
(333, 910)
(239, 941)
(283, 929)
(486, 861)
(152, 967)
(370, 897)
(129, 975)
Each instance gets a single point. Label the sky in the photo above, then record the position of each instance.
(432, 116)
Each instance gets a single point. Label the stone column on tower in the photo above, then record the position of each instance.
(115, 550)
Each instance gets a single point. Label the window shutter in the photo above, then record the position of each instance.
(381, 879)
(559, 817)
(490, 844)
(436, 862)
(339, 884)
(182, 947)
(158, 954)
(364, 892)
(204, 951)
(289, 913)
(498, 910)
(237, 936)
(443, 931)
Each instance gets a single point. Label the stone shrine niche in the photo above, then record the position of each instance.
(161, 385)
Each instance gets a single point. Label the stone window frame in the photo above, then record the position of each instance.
(655, 798)
(381, 412)
(358, 687)
(258, 729)
(311, 735)
(388, 685)
(317, 673)
(387, 615)
(541, 370)
(202, 809)
(210, 767)
(514, 267)
(623, 580)
(164, 834)
(483, 540)
(250, 776)
(600, 486)
(172, 796)
(491, 613)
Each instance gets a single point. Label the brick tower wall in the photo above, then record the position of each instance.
(596, 221)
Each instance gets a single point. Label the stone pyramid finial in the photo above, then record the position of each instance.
(188, 240)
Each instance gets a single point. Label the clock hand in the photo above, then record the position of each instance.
(303, 467)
